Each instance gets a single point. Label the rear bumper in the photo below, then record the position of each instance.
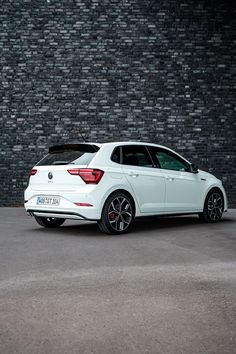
(57, 214)
(67, 209)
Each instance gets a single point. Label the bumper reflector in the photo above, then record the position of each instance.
(83, 204)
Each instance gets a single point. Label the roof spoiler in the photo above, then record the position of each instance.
(76, 147)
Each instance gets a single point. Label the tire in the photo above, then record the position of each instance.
(213, 207)
(49, 222)
(117, 215)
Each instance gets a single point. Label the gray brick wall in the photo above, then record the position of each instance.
(158, 71)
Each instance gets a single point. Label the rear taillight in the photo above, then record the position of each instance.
(88, 175)
(32, 172)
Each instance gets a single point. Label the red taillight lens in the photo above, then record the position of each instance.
(88, 175)
(32, 172)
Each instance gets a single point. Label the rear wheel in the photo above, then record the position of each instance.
(213, 207)
(49, 222)
(117, 215)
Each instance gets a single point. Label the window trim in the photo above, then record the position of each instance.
(150, 155)
(153, 157)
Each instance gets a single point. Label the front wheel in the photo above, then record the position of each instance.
(213, 207)
(117, 215)
(49, 222)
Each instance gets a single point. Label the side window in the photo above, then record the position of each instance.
(169, 161)
(136, 155)
(115, 157)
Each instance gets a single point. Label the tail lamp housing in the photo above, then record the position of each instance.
(32, 172)
(88, 175)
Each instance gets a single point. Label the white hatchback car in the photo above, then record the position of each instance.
(113, 183)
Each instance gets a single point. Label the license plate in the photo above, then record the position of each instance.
(48, 201)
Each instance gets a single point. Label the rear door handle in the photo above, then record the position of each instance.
(132, 174)
(170, 178)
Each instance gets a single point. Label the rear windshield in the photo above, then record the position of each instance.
(77, 154)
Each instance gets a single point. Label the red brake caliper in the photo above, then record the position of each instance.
(112, 216)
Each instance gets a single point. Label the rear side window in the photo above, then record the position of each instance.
(115, 157)
(78, 154)
(136, 155)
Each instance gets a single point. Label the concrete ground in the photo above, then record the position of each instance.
(167, 287)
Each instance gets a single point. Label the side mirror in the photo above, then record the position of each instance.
(194, 168)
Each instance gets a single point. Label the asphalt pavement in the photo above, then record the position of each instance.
(167, 287)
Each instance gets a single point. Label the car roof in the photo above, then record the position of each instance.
(115, 143)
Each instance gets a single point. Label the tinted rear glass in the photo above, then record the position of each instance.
(74, 154)
(115, 157)
(136, 155)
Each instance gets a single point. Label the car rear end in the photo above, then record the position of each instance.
(62, 185)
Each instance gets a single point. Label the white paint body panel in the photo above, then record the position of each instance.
(149, 187)
(184, 191)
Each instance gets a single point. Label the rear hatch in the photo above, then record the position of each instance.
(51, 173)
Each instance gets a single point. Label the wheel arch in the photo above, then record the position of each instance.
(218, 189)
(127, 193)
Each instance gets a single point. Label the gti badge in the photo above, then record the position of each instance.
(50, 175)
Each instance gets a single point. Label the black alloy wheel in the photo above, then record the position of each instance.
(117, 215)
(213, 207)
